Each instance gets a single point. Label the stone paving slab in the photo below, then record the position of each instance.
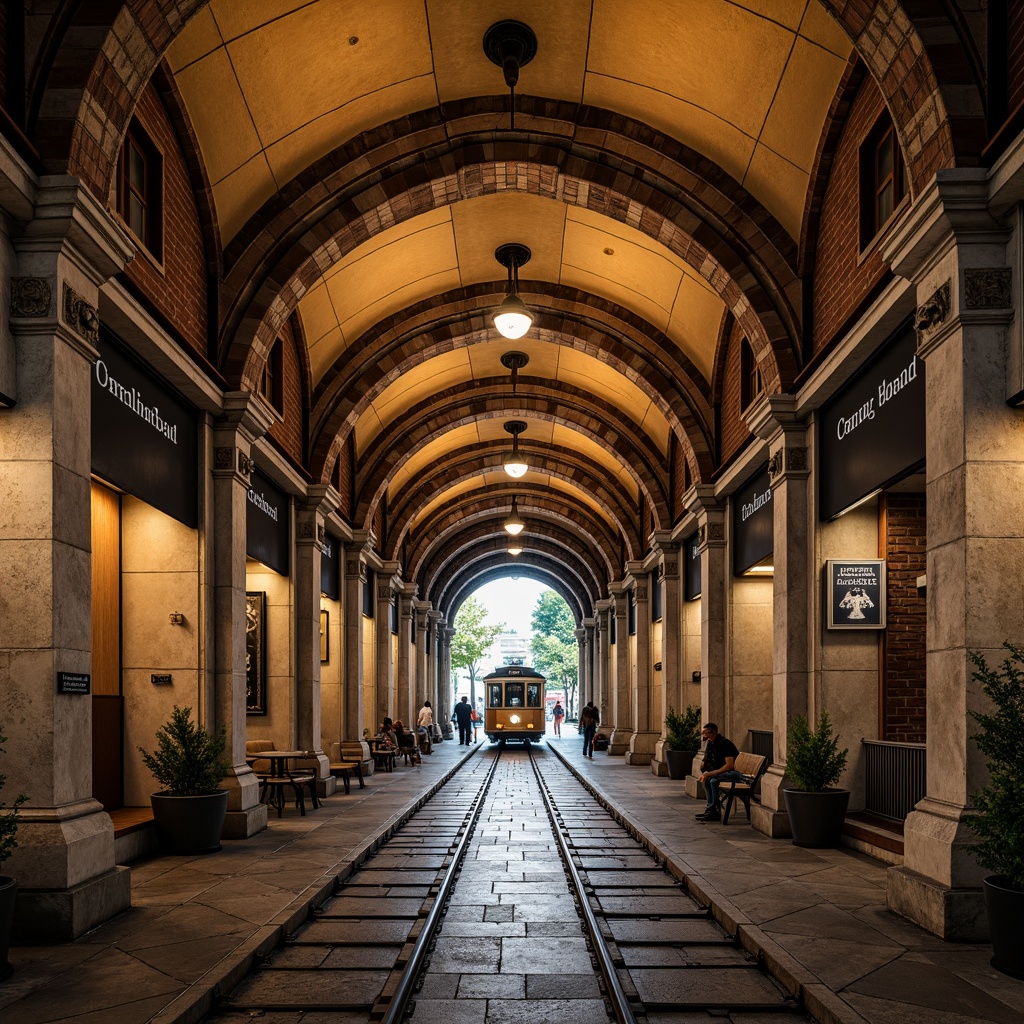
(705, 988)
(337, 990)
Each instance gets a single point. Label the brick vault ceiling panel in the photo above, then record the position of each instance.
(748, 84)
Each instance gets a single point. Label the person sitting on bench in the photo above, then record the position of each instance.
(717, 767)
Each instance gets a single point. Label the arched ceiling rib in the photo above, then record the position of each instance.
(475, 575)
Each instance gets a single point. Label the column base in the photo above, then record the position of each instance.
(244, 823)
(693, 789)
(770, 822)
(44, 916)
(956, 915)
(618, 742)
(659, 768)
(326, 787)
(641, 748)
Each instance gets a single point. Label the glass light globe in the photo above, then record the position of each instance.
(512, 318)
(515, 549)
(515, 469)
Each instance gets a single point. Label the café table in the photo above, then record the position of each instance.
(281, 776)
(383, 757)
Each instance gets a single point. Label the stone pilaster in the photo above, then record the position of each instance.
(68, 881)
(671, 652)
(321, 501)
(590, 625)
(387, 580)
(355, 579)
(714, 590)
(246, 418)
(774, 420)
(421, 609)
(435, 620)
(444, 679)
(974, 476)
(645, 733)
(620, 728)
(406, 665)
(604, 610)
(583, 667)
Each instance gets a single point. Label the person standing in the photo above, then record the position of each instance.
(557, 714)
(463, 715)
(718, 766)
(424, 726)
(589, 721)
(476, 723)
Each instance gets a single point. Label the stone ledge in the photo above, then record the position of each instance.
(60, 915)
(956, 915)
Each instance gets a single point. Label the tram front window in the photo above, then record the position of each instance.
(514, 695)
(494, 695)
(533, 695)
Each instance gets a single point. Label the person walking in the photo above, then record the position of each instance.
(557, 714)
(463, 715)
(425, 726)
(589, 721)
(718, 766)
(476, 723)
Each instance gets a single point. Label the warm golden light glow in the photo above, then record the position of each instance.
(512, 318)
(514, 525)
(515, 548)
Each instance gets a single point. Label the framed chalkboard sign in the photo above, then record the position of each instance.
(856, 593)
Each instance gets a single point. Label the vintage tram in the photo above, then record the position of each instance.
(514, 704)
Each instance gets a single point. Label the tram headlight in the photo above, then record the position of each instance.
(514, 719)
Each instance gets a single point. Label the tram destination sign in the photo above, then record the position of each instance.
(856, 593)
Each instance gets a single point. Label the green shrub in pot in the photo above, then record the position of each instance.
(815, 763)
(682, 740)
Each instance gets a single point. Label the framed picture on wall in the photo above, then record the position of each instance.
(255, 652)
(856, 593)
(325, 640)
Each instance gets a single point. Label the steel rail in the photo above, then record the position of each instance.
(619, 1000)
(403, 992)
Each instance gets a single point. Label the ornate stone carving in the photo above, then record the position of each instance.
(306, 530)
(702, 533)
(383, 592)
(222, 458)
(641, 593)
(80, 315)
(775, 465)
(716, 531)
(671, 568)
(246, 464)
(30, 296)
(352, 567)
(796, 459)
(933, 311)
(987, 289)
(320, 534)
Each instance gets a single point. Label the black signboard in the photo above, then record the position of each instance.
(74, 682)
(856, 593)
(330, 567)
(144, 437)
(872, 432)
(691, 568)
(753, 523)
(267, 533)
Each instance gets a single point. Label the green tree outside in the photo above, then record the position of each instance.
(473, 636)
(555, 651)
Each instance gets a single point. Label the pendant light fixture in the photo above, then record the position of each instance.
(514, 464)
(515, 548)
(511, 45)
(512, 318)
(514, 525)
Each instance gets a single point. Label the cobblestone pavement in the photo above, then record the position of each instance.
(195, 920)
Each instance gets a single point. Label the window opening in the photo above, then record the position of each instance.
(140, 185)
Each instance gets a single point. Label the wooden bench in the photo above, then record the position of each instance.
(751, 767)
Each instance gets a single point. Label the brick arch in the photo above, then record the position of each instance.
(538, 507)
(459, 319)
(452, 408)
(484, 570)
(763, 306)
(616, 504)
(448, 563)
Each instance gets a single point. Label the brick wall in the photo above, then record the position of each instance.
(289, 434)
(734, 430)
(904, 538)
(178, 289)
(840, 283)
(680, 478)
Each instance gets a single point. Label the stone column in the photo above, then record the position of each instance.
(714, 589)
(321, 501)
(405, 669)
(955, 254)
(671, 653)
(774, 419)
(421, 609)
(355, 579)
(246, 418)
(590, 661)
(435, 620)
(645, 735)
(620, 728)
(68, 880)
(387, 578)
(602, 661)
(583, 663)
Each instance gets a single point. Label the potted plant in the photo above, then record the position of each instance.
(815, 763)
(682, 740)
(189, 764)
(8, 885)
(999, 823)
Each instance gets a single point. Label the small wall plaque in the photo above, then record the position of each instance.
(160, 679)
(74, 682)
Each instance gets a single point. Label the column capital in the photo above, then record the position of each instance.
(407, 591)
(247, 414)
(774, 416)
(581, 636)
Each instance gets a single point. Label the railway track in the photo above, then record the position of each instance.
(514, 889)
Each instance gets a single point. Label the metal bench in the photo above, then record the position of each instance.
(751, 767)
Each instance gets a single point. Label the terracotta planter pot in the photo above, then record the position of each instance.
(816, 819)
(190, 824)
(679, 762)
(1005, 907)
(8, 890)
